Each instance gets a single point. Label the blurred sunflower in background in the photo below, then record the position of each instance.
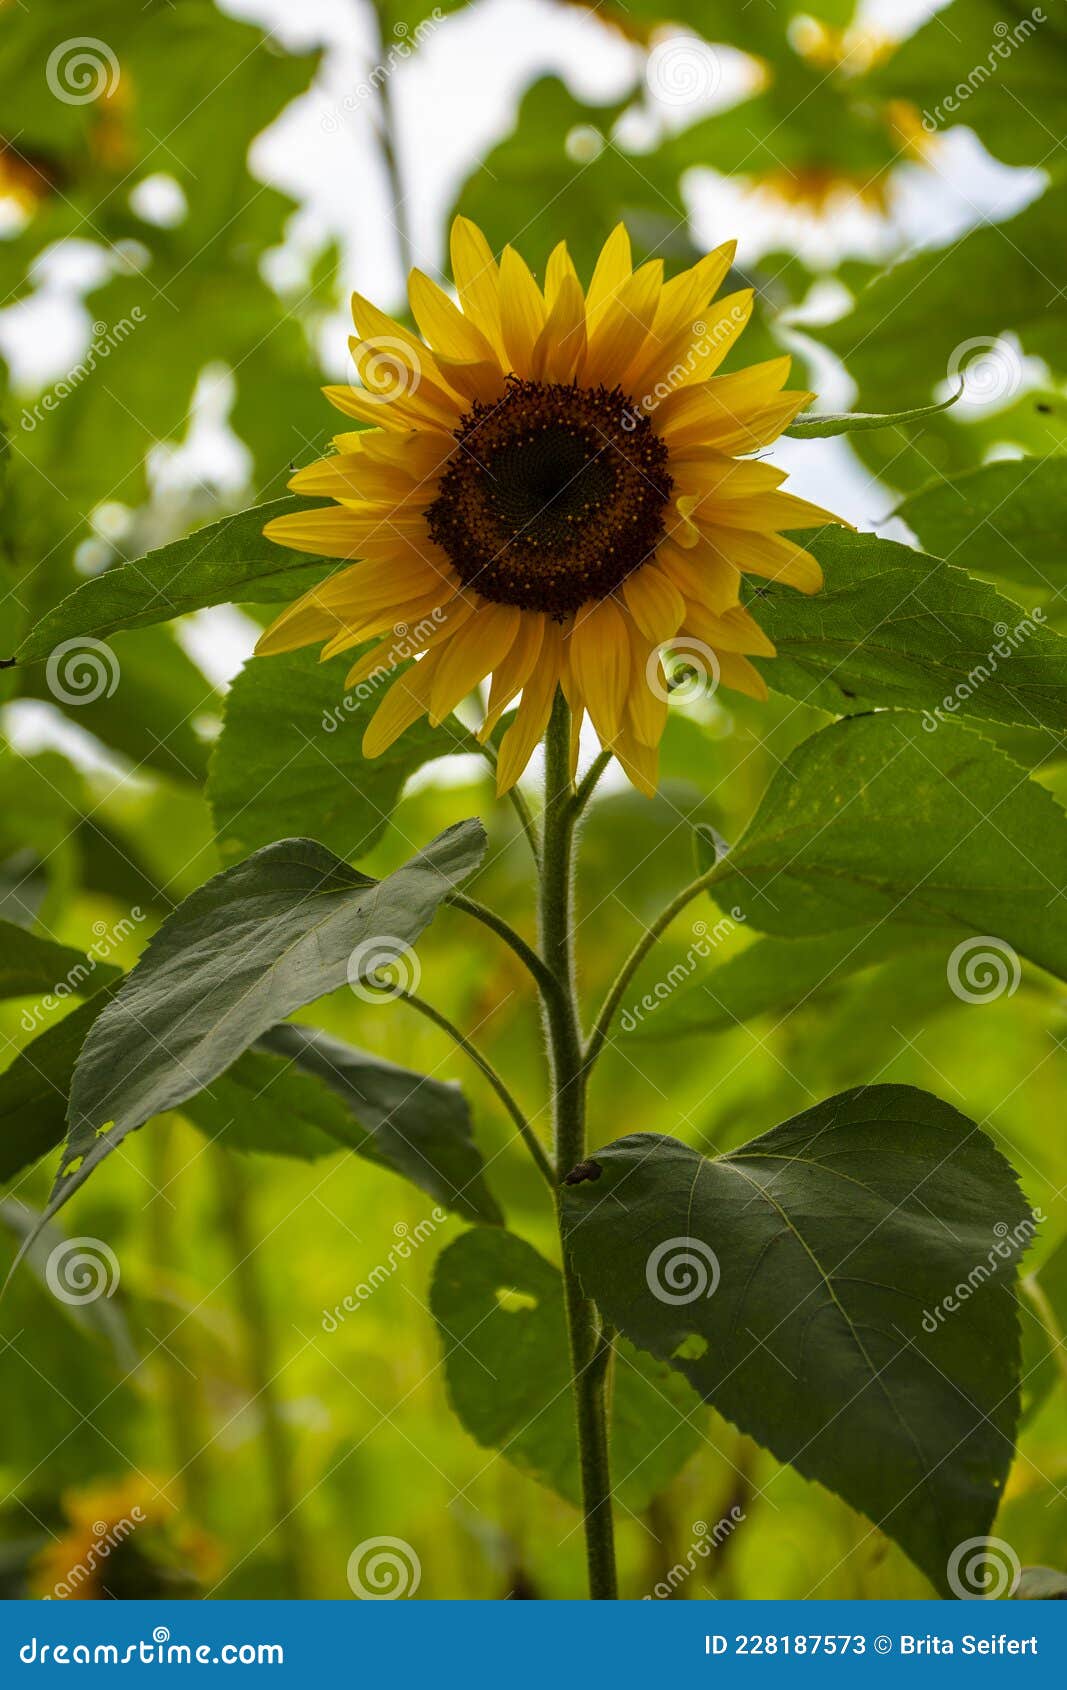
(122, 1539)
(551, 493)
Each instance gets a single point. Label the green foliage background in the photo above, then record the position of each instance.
(295, 1433)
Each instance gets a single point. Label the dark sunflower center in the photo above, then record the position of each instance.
(555, 496)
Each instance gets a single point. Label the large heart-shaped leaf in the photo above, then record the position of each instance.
(892, 626)
(499, 1307)
(807, 1285)
(228, 561)
(1006, 520)
(290, 757)
(875, 818)
(243, 952)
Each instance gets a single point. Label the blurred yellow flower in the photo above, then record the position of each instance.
(550, 492)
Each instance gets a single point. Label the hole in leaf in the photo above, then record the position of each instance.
(512, 1301)
(691, 1348)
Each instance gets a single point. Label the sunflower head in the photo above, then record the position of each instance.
(123, 1539)
(553, 487)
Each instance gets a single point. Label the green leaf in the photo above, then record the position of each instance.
(1013, 56)
(142, 697)
(876, 818)
(226, 562)
(35, 1087)
(499, 1307)
(340, 1096)
(558, 176)
(812, 426)
(799, 1282)
(290, 759)
(777, 975)
(244, 951)
(948, 307)
(1006, 520)
(32, 966)
(893, 626)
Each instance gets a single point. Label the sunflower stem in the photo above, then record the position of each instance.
(590, 1340)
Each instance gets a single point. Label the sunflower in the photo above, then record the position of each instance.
(123, 1538)
(552, 492)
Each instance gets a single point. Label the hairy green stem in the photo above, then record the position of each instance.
(482, 1063)
(602, 1024)
(590, 1342)
(526, 954)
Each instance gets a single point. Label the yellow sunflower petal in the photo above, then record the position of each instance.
(411, 640)
(701, 415)
(335, 531)
(443, 325)
(477, 280)
(511, 674)
(623, 326)
(600, 655)
(701, 574)
(769, 555)
(403, 704)
(561, 345)
(654, 602)
(688, 293)
(482, 643)
(639, 763)
(737, 672)
(560, 268)
(352, 475)
(531, 718)
(613, 268)
(646, 700)
(731, 630)
(772, 511)
(522, 311)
